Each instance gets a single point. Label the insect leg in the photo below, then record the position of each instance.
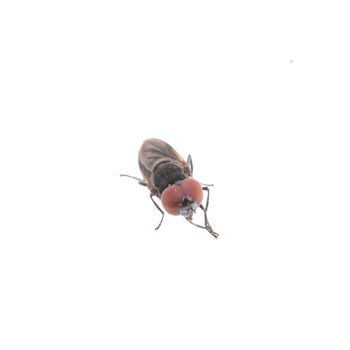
(207, 202)
(141, 182)
(206, 227)
(152, 195)
(206, 223)
(190, 163)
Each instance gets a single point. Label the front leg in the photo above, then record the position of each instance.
(157, 206)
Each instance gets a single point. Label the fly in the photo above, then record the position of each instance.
(169, 177)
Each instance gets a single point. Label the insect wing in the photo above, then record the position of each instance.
(154, 152)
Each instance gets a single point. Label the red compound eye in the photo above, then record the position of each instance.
(171, 199)
(192, 189)
(173, 196)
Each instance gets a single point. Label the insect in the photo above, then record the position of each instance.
(169, 177)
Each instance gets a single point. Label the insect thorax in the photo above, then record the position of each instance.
(166, 174)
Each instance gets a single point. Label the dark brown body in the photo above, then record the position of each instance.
(161, 165)
(169, 177)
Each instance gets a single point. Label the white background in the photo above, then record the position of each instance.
(257, 92)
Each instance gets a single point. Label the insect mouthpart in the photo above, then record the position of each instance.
(188, 208)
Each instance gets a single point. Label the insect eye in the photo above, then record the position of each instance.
(171, 199)
(193, 189)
